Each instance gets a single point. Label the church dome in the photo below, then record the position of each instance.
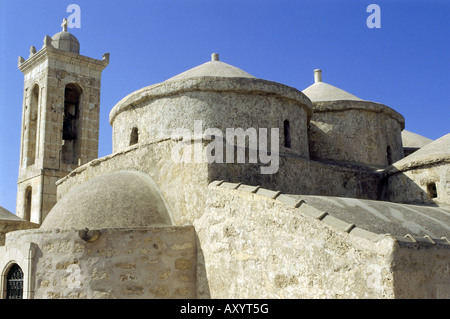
(66, 41)
(437, 151)
(10, 222)
(214, 68)
(219, 95)
(321, 91)
(7, 215)
(121, 199)
(348, 129)
(414, 140)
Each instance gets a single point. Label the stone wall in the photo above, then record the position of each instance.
(183, 185)
(356, 132)
(257, 247)
(180, 184)
(415, 185)
(421, 270)
(154, 262)
(299, 176)
(219, 103)
(43, 194)
(7, 226)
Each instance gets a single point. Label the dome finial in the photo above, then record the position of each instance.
(64, 25)
(317, 75)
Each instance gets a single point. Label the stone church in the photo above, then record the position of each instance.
(333, 199)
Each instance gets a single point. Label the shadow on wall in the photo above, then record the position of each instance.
(297, 175)
(203, 291)
(420, 275)
(400, 188)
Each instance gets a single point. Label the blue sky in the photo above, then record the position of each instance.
(405, 64)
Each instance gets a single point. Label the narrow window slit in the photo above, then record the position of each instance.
(287, 134)
(134, 136)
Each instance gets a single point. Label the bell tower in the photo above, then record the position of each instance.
(60, 119)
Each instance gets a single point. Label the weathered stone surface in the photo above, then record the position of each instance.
(45, 156)
(147, 262)
(160, 219)
(423, 176)
(115, 200)
(274, 250)
(356, 131)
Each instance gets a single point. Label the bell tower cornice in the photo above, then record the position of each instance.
(48, 52)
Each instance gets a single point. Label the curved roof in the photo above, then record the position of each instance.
(213, 68)
(66, 41)
(383, 217)
(210, 76)
(410, 139)
(369, 218)
(435, 152)
(116, 200)
(321, 91)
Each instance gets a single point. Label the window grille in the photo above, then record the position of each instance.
(14, 283)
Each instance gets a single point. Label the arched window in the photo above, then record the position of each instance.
(27, 203)
(71, 123)
(287, 134)
(14, 282)
(31, 126)
(71, 111)
(134, 136)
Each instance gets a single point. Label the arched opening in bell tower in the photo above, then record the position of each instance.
(31, 126)
(70, 137)
(27, 203)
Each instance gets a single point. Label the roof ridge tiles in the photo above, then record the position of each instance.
(324, 216)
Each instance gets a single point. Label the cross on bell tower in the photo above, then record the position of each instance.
(60, 119)
(64, 25)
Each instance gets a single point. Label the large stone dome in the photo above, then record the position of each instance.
(220, 96)
(214, 68)
(116, 200)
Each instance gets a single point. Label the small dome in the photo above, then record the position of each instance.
(437, 151)
(7, 215)
(214, 68)
(321, 91)
(411, 139)
(121, 199)
(66, 41)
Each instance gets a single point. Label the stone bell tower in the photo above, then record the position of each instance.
(60, 119)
